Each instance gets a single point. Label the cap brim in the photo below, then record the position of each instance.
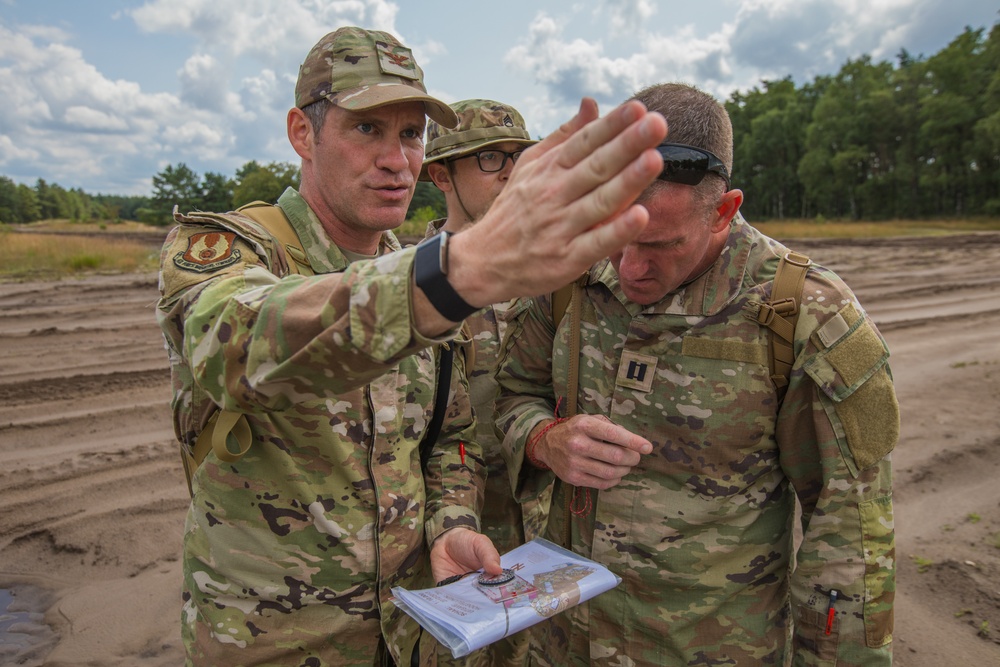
(382, 94)
(465, 150)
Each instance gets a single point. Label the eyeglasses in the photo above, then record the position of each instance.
(492, 161)
(688, 165)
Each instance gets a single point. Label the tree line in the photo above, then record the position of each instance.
(175, 185)
(875, 141)
(916, 139)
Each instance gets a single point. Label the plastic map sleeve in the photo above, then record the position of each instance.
(539, 580)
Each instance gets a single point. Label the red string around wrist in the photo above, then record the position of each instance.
(529, 451)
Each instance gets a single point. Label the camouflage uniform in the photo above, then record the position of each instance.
(483, 123)
(701, 531)
(290, 552)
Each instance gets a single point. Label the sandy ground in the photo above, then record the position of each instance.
(92, 496)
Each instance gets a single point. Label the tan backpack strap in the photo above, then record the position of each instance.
(273, 219)
(573, 381)
(560, 302)
(215, 438)
(781, 313)
(468, 351)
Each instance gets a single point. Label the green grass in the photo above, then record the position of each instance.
(923, 564)
(48, 256)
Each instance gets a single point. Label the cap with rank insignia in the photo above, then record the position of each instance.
(358, 69)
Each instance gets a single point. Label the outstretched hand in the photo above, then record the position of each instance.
(461, 550)
(569, 203)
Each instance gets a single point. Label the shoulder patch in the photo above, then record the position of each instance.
(208, 252)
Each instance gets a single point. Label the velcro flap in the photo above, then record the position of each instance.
(728, 350)
(853, 357)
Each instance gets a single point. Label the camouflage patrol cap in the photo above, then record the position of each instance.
(481, 123)
(360, 69)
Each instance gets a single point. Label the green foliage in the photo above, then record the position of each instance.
(875, 141)
(174, 186)
(426, 195)
(263, 183)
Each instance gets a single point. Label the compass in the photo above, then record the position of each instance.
(496, 580)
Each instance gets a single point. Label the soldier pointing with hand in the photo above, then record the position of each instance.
(322, 346)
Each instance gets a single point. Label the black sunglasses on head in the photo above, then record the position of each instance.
(688, 165)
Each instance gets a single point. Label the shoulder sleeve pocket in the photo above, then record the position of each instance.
(853, 372)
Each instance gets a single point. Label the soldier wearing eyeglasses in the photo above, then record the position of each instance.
(471, 164)
(684, 463)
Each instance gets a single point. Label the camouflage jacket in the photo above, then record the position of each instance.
(702, 531)
(501, 516)
(290, 553)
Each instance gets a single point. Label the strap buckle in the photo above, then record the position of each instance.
(782, 308)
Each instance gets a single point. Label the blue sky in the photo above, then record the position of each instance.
(102, 95)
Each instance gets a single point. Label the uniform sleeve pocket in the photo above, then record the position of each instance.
(853, 372)
(811, 637)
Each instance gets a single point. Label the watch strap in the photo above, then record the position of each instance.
(430, 274)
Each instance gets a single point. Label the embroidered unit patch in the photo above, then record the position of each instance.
(208, 251)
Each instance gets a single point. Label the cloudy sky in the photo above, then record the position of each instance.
(103, 94)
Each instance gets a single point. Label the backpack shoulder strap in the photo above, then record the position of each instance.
(273, 219)
(560, 302)
(780, 315)
(441, 390)
(562, 298)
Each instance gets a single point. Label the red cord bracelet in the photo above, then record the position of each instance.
(529, 451)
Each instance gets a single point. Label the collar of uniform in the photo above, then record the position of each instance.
(324, 255)
(707, 294)
(434, 228)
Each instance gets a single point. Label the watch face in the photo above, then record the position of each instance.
(496, 580)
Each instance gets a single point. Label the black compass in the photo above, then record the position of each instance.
(496, 580)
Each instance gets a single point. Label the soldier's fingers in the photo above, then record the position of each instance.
(583, 144)
(610, 180)
(587, 113)
(618, 436)
(487, 554)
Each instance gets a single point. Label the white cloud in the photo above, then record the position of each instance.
(573, 69)
(9, 151)
(261, 29)
(628, 17)
(92, 120)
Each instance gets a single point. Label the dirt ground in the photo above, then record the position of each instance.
(92, 496)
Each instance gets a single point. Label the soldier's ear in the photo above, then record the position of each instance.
(726, 210)
(300, 133)
(441, 176)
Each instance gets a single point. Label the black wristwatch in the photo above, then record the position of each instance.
(430, 271)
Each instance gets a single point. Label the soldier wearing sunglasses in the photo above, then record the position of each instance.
(683, 462)
(471, 164)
